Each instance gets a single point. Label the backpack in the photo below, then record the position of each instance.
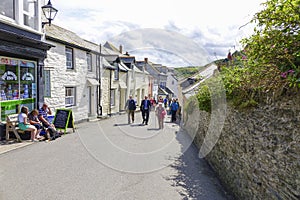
(131, 105)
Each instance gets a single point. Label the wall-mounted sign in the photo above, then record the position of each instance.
(47, 83)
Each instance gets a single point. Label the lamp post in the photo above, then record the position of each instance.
(49, 12)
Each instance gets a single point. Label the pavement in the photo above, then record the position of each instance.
(6, 146)
(12, 144)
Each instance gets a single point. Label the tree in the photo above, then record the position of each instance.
(276, 39)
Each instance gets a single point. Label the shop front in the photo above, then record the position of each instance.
(22, 55)
(18, 85)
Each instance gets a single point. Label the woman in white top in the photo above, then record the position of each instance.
(25, 126)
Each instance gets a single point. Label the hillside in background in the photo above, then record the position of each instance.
(184, 72)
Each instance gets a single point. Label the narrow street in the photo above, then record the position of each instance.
(110, 159)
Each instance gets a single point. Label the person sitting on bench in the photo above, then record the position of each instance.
(25, 126)
(43, 117)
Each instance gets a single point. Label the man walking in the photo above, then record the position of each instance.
(130, 107)
(145, 108)
(174, 107)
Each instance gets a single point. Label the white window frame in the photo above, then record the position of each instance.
(31, 13)
(13, 11)
(19, 14)
(70, 96)
(69, 63)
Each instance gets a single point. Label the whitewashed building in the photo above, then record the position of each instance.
(137, 80)
(71, 73)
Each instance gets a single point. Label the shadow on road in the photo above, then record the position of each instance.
(153, 129)
(121, 124)
(196, 176)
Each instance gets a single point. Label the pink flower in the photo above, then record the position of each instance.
(283, 75)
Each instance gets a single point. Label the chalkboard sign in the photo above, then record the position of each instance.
(63, 119)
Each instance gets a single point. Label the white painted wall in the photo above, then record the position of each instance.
(61, 78)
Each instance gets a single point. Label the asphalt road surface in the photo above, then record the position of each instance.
(113, 160)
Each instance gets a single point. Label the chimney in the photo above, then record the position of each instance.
(146, 60)
(121, 49)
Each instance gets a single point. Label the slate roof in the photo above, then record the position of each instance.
(169, 91)
(111, 47)
(64, 36)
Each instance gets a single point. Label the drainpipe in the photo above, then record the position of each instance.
(109, 106)
(99, 107)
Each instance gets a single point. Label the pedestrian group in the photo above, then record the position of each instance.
(37, 122)
(160, 108)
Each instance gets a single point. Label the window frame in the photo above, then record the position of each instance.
(69, 97)
(71, 62)
(89, 59)
(11, 16)
(22, 17)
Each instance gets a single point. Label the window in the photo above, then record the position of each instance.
(162, 85)
(69, 58)
(89, 61)
(112, 97)
(117, 74)
(23, 12)
(29, 13)
(70, 96)
(18, 84)
(7, 8)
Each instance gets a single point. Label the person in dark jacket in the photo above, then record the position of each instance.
(145, 108)
(174, 107)
(130, 108)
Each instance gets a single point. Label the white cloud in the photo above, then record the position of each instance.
(212, 24)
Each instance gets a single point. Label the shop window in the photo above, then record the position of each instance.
(69, 58)
(70, 96)
(17, 85)
(89, 61)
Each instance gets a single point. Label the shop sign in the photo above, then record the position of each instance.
(27, 77)
(27, 64)
(9, 76)
(7, 61)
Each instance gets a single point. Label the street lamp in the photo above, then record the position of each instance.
(49, 12)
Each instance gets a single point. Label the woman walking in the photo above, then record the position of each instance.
(160, 113)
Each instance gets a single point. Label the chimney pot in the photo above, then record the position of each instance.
(146, 60)
(121, 49)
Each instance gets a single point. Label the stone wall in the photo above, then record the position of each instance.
(257, 155)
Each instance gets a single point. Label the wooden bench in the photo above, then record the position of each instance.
(12, 125)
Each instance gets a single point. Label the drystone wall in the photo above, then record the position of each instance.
(257, 155)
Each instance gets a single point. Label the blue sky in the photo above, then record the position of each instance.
(212, 25)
